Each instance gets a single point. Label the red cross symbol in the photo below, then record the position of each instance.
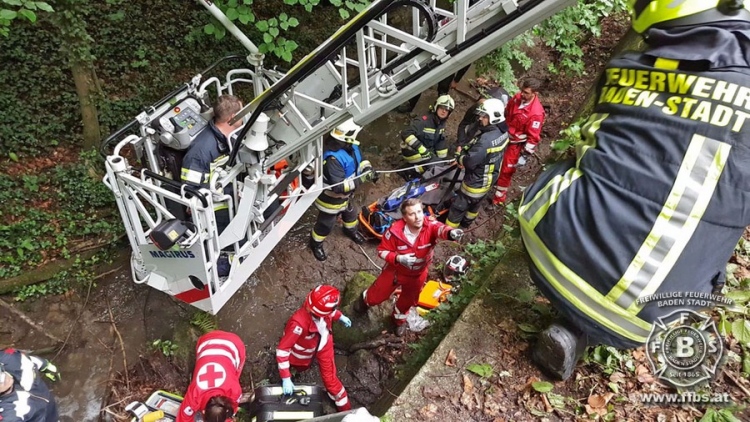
(211, 375)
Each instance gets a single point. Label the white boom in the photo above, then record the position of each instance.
(365, 69)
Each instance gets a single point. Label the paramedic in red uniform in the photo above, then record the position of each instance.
(307, 336)
(524, 116)
(215, 389)
(407, 249)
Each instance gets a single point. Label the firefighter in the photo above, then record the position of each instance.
(210, 149)
(424, 139)
(215, 390)
(308, 335)
(658, 195)
(480, 159)
(469, 124)
(524, 116)
(342, 162)
(407, 248)
(23, 394)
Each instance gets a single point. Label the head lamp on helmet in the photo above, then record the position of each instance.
(646, 14)
(347, 132)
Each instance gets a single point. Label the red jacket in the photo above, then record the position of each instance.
(300, 340)
(219, 358)
(524, 124)
(394, 243)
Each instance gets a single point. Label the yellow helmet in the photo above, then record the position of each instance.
(646, 14)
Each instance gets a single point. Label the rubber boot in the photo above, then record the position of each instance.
(317, 249)
(558, 349)
(360, 306)
(355, 235)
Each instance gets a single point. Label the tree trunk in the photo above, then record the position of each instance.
(87, 90)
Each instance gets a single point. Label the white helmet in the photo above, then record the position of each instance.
(445, 101)
(347, 132)
(494, 109)
(455, 267)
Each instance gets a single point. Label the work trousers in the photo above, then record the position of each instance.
(387, 282)
(510, 160)
(464, 210)
(326, 221)
(331, 381)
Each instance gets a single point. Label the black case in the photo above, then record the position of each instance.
(270, 405)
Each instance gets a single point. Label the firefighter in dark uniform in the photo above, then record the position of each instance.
(469, 124)
(659, 193)
(344, 170)
(210, 149)
(23, 394)
(480, 159)
(424, 139)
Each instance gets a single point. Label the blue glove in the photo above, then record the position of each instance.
(346, 321)
(287, 387)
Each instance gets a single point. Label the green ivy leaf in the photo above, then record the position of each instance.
(283, 17)
(286, 56)
(293, 22)
(739, 296)
(741, 331)
(248, 2)
(273, 22)
(344, 13)
(246, 18)
(290, 45)
(359, 7)
(542, 386)
(13, 156)
(232, 14)
(291, 2)
(28, 14)
(13, 2)
(484, 370)
(284, 25)
(267, 38)
(209, 29)
(273, 31)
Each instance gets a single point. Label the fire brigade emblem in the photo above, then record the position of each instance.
(684, 348)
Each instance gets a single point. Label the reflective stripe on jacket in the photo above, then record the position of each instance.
(427, 131)
(524, 123)
(659, 194)
(300, 340)
(481, 159)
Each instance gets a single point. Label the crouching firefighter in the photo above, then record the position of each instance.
(424, 139)
(307, 336)
(480, 158)
(658, 197)
(343, 167)
(407, 248)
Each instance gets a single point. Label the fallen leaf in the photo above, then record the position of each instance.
(451, 359)
(547, 405)
(600, 400)
(617, 377)
(429, 411)
(645, 378)
(598, 410)
(639, 354)
(467, 398)
(641, 369)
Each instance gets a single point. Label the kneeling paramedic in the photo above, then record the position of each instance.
(308, 336)
(23, 394)
(343, 170)
(480, 158)
(658, 196)
(407, 248)
(215, 390)
(424, 139)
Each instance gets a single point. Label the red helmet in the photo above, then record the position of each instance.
(323, 300)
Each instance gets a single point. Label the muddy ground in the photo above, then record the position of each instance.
(110, 326)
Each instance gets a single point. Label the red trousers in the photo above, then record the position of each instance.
(327, 364)
(387, 282)
(510, 159)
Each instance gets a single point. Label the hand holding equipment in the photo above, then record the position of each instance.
(346, 321)
(456, 234)
(287, 386)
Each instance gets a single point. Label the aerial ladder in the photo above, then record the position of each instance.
(365, 69)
